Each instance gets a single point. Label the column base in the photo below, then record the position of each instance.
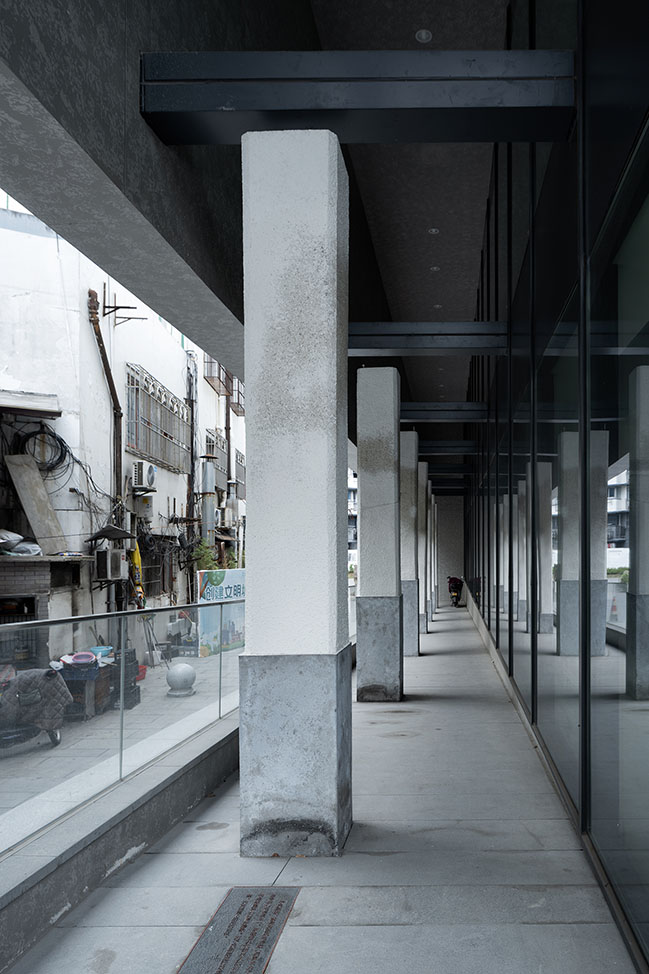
(295, 753)
(598, 594)
(546, 622)
(568, 617)
(410, 592)
(379, 650)
(637, 650)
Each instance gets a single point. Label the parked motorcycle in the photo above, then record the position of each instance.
(32, 701)
(454, 589)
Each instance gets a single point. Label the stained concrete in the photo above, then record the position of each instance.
(461, 859)
(378, 649)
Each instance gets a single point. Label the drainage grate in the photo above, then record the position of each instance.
(242, 934)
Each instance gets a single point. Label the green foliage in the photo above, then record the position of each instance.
(203, 557)
(621, 573)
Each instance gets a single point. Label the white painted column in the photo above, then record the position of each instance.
(409, 488)
(637, 600)
(422, 535)
(379, 649)
(568, 566)
(545, 613)
(295, 675)
(514, 544)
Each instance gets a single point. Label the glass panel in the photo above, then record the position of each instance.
(619, 477)
(62, 686)
(558, 529)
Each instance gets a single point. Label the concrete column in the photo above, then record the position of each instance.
(544, 546)
(379, 649)
(637, 600)
(422, 547)
(295, 675)
(522, 550)
(429, 555)
(409, 488)
(569, 543)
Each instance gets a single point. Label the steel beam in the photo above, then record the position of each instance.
(444, 412)
(410, 338)
(447, 448)
(449, 469)
(213, 98)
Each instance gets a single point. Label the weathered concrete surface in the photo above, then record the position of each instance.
(377, 423)
(422, 538)
(295, 253)
(408, 492)
(379, 656)
(296, 671)
(379, 652)
(410, 611)
(295, 734)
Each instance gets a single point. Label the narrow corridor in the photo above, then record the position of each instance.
(461, 859)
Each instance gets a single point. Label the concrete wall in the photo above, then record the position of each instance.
(450, 543)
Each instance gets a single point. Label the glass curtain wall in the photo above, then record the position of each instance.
(558, 553)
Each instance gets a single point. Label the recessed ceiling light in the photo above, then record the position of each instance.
(433, 230)
(434, 268)
(437, 307)
(423, 36)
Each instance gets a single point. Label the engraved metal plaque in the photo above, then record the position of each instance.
(242, 934)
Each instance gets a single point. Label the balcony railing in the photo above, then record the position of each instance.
(238, 401)
(122, 711)
(217, 376)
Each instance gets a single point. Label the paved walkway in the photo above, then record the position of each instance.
(461, 859)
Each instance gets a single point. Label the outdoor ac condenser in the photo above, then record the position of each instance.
(111, 565)
(144, 475)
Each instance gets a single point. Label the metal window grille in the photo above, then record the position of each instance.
(157, 422)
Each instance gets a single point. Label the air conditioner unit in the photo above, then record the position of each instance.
(144, 475)
(111, 564)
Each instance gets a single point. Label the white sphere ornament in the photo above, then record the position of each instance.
(181, 678)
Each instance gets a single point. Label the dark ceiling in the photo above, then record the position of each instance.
(409, 190)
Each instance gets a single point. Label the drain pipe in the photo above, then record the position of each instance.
(93, 314)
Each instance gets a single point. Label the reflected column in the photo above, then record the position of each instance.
(544, 546)
(568, 570)
(522, 551)
(637, 600)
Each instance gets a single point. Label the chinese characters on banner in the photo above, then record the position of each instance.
(222, 613)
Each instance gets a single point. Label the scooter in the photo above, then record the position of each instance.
(32, 701)
(455, 598)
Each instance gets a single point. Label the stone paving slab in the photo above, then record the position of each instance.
(452, 949)
(396, 905)
(464, 836)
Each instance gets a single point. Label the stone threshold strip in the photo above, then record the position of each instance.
(242, 934)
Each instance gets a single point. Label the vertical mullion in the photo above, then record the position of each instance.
(584, 437)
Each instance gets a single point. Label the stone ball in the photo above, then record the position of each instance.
(181, 677)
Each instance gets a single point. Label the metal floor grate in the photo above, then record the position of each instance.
(241, 936)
